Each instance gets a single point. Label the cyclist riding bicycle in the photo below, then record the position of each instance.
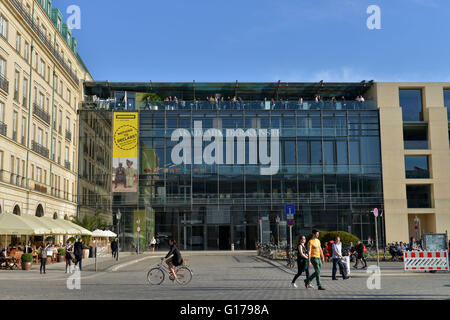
(174, 258)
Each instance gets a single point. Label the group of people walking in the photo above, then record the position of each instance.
(311, 254)
(74, 254)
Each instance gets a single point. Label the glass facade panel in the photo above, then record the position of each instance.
(411, 104)
(419, 196)
(417, 167)
(447, 102)
(329, 167)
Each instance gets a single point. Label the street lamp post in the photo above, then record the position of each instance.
(278, 229)
(138, 222)
(118, 215)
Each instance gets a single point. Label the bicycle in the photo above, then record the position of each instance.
(291, 260)
(157, 275)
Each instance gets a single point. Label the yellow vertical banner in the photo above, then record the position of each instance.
(125, 152)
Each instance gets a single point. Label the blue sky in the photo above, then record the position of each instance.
(264, 40)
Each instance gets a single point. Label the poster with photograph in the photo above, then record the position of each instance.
(125, 173)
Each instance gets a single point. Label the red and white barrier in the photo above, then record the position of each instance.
(426, 261)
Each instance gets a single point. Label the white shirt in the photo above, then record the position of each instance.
(337, 247)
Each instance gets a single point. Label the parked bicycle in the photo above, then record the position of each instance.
(157, 275)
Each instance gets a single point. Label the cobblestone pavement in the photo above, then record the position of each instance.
(235, 276)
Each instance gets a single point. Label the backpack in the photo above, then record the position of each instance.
(43, 254)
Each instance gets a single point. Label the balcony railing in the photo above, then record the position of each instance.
(22, 141)
(39, 112)
(4, 84)
(25, 102)
(3, 129)
(50, 45)
(67, 165)
(233, 105)
(14, 135)
(68, 135)
(416, 145)
(16, 96)
(36, 147)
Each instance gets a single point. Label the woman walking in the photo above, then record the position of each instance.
(69, 255)
(302, 261)
(43, 257)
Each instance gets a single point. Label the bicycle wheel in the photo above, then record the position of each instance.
(184, 275)
(155, 276)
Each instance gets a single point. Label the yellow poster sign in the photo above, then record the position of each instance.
(126, 135)
(125, 152)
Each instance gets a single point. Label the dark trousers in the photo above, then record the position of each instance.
(78, 261)
(302, 265)
(336, 263)
(43, 263)
(362, 259)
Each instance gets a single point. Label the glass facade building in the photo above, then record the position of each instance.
(329, 167)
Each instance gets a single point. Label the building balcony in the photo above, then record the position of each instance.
(3, 129)
(68, 135)
(416, 145)
(22, 141)
(43, 37)
(232, 105)
(14, 135)
(38, 148)
(24, 102)
(41, 113)
(4, 84)
(67, 165)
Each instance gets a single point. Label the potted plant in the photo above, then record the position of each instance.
(61, 254)
(27, 261)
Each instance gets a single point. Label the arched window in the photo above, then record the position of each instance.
(16, 210)
(39, 211)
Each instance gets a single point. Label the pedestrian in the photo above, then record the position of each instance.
(69, 255)
(360, 255)
(43, 256)
(114, 249)
(337, 260)
(315, 259)
(153, 244)
(134, 247)
(78, 248)
(302, 261)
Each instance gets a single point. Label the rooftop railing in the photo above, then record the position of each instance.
(230, 105)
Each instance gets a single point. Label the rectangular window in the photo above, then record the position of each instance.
(42, 68)
(18, 43)
(416, 167)
(418, 196)
(411, 104)
(26, 53)
(38, 174)
(2, 112)
(16, 85)
(40, 136)
(2, 67)
(24, 127)
(15, 123)
(3, 27)
(25, 91)
(316, 152)
(447, 102)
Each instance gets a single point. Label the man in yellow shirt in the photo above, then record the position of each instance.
(315, 258)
